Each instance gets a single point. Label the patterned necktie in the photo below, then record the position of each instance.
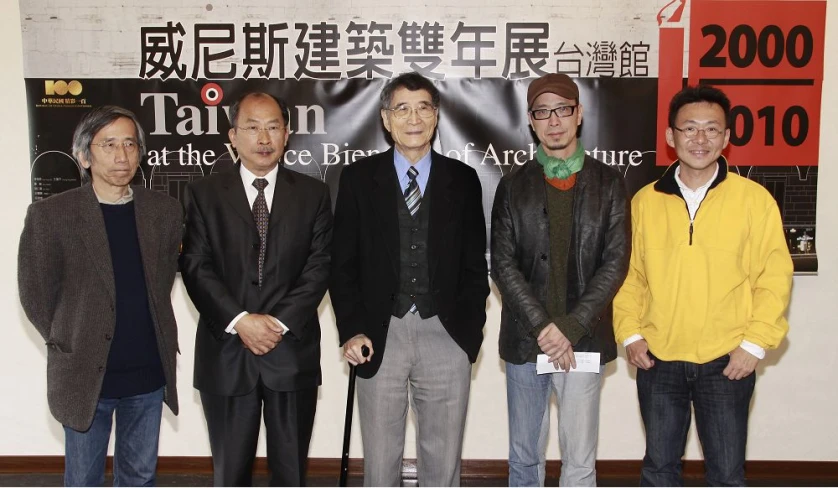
(260, 215)
(412, 195)
(413, 198)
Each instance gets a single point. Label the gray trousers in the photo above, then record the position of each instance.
(423, 365)
(528, 401)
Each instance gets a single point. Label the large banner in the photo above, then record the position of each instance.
(179, 69)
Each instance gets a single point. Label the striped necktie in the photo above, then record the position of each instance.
(412, 195)
(413, 198)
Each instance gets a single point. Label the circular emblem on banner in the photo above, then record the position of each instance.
(212, 94)
(74, 87)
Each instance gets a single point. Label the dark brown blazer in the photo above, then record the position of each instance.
(66, 284)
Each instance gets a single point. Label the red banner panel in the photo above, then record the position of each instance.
(768, 57)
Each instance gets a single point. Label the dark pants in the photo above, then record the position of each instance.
(234, 422)
(721, 418)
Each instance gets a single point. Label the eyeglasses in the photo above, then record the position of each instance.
(110, 146)
(692, 132)
(544, 113)
(253, 131)
(425, 111)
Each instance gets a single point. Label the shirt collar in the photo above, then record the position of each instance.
(127, 198)
(702, 188)
(423, 166)
(248, 178)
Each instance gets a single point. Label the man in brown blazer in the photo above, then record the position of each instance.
(95, 271)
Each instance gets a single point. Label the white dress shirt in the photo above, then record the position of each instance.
(247, 180)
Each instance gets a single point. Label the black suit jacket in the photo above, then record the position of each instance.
(219, 265)
(365, 257)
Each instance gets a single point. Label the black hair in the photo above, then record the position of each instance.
(698, 94)
(234, 109)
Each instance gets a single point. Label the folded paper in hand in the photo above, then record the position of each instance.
(586, 362)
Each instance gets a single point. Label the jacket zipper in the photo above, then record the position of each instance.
(692, 219)
(691, 232)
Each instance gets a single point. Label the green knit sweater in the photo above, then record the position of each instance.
(560, 215)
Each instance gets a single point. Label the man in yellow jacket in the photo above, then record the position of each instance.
(706, 293)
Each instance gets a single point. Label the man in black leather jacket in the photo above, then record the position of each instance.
(560, 251)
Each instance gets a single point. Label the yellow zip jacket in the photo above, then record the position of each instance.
(695, 290)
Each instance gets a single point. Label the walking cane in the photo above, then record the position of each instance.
(347, 425)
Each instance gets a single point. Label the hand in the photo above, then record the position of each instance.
(352, 350)
(742, 364)
(566, 361)
(259, 333)
(553, 343)
(638, 354)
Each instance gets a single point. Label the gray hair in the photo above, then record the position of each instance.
(96, 120)
(412, 81)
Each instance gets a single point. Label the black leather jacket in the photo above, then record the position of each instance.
(598, 261)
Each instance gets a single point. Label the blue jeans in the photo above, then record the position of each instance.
(135, 454)
(721, 418)
(528, 399)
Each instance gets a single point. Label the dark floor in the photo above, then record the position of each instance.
(206, 480)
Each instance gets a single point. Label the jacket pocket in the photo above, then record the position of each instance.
(55, 346)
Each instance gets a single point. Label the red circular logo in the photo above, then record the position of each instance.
(212, 94)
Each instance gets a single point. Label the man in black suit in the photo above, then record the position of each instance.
(256, 263)
(409, 281)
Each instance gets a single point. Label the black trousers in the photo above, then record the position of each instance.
(233, 423)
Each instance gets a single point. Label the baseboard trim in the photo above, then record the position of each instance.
(474, 469)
